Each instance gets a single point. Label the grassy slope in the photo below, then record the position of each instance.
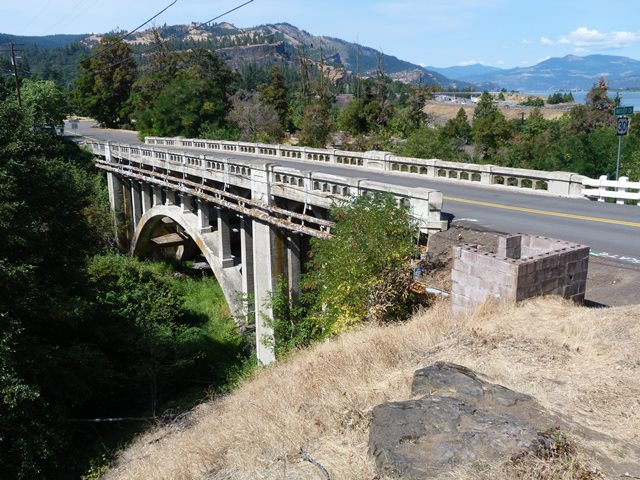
(579, 362)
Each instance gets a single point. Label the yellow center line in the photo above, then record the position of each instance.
(543, 212)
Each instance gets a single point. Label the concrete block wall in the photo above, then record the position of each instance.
(524, 266)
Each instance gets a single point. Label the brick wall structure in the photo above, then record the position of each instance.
(524, 266)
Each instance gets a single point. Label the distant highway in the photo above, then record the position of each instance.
(612, 231)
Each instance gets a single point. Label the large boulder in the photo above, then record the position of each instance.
(460, 419)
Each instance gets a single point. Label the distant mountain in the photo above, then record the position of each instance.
(282, 42)
(466, 71)
(261, 45)
(567, 73)
(48, 41)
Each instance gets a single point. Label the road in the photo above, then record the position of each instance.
(612, 231)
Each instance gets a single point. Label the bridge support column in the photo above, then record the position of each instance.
(146, 197)
(116, 200)
(170, 197)
(265, 284)
(293, 266)
(203, 216)
(246, 256)
(185, 202)
(136, 206)
(157, 195)
(224, 238)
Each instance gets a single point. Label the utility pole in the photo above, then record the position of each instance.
(14, 63)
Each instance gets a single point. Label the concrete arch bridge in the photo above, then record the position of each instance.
(251, 219)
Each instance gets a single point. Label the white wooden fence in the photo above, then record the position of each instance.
(623, 191)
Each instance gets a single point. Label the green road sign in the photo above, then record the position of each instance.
(619, 111)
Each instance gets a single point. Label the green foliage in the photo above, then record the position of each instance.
(352, 119)
(316, 128)
(104, 84)
(558, 97)
(490, 129)
(293, 328)
(44, 236)
(428, 142)
(458, 128)
(193, 100)
(45, 103)
(84, 335)
(597, 112)
(275, 94)
(533, 102)
(357, 274)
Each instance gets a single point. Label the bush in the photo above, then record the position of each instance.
(533, 102)
(360, 273)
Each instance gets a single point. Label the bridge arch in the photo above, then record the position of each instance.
(229, 278)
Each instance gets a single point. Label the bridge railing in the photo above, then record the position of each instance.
(314, 188)
(622, 190)
(565, 184)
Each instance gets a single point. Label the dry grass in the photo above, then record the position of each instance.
(577, 362)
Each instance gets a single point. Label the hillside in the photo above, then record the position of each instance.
(263, 45)
(566, 73)
(579, 363)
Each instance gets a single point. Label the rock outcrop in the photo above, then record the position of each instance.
(460, 419)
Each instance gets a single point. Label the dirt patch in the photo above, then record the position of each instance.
(441, 112)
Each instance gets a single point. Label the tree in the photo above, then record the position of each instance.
(44, 237)
(103, 87)
(257, 121)
(490, 129)
(597, 112)
(316, 128)
(195, 100)
(351, 118)
(458, 128)
(45, 103)
(153, 77)
(427, 142)
(275, 94)
(363, 270)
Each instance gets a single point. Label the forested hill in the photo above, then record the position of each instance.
(56, 57)
(48, 41)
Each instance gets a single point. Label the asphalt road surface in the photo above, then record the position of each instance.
(612, 231)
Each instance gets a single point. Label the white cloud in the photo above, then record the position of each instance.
(465, 63)
(526, 41)
(585, 39)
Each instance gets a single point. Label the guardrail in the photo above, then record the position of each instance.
(623, 191)
(563, 184)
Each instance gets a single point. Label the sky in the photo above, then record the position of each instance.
(501, 33)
